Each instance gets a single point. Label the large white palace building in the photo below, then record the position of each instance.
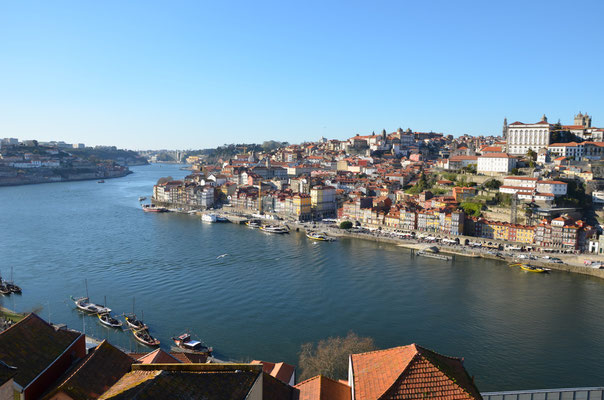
(521, 137)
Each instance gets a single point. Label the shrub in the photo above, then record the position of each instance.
(345, 225)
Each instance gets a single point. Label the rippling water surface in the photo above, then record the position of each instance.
(269, 294)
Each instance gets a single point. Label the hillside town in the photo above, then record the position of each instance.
(537, 185)
(30, 161)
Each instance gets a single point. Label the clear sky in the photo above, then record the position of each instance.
(193, 74)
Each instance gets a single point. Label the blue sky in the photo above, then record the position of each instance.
(180, 74)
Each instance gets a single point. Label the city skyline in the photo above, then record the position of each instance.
(202, 75)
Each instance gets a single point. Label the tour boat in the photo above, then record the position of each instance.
(254, 223)
(274, 229)
(319, 236)
(530, 268)
(83, 303)
(145, 338)
(108, 320)
(209, 218)
(185, 342)
(153, 208)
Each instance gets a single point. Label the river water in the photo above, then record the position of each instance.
(270, 294)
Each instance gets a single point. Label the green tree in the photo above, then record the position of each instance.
(493, 184)
(472, 209)
(345, 225)
(329, 357)
(531, 155)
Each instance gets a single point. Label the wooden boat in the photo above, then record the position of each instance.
(4, 290)
(11, 285)
(145, 338)
(185, 342)
(83, 304)
(134, 323)
(530, 268)
(13, 288)
(107, 320)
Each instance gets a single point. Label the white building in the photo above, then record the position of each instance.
(556, 188)
(495, 163)
(570, 150)
(522, 137)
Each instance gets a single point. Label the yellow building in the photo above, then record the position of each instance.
(302, 206)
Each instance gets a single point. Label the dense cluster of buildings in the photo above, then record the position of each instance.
(367, 179)
(43, 361)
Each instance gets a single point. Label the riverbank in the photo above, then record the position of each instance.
(54, 177)
(571, 263)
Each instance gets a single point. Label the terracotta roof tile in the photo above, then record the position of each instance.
(409, 372)
(322, 388)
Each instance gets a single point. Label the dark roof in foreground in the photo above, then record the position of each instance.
(6, 372)
(185, 381)
(31, 345)
(95, 374)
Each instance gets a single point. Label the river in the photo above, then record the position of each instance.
(270, 294)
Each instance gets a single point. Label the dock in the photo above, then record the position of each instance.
(432, 255)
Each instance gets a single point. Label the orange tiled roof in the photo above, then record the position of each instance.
(282, 371)
(410, 372)
(322, 388)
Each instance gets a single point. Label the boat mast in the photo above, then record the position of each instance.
(86, 283)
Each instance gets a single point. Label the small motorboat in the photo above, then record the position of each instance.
(530, 268)
(319, 237)
(185, 342)
(134, 323)
(84, 304)
(142, 198)
(145, 338)
(254, 223)
(107, 320)
(274, 229)
(101, 181)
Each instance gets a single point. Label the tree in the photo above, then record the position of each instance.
(164, 180)
(531, 154)
(493, 184)
(329, 357)
(472, 209)
(515, 171)
(345, 225)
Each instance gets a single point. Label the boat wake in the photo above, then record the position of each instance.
(221, 256)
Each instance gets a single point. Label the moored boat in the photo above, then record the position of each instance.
(185, 342)
(211, 218)
(153, 208)
(84, 304)
(319, 237)
(274, 229)
(254, 223)
(145, 337)
(101, 181)
(107, 320)
(134, 323)
(4, 290)
(13, 288)
(530, 268)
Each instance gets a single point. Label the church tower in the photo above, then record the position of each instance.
(505, 128)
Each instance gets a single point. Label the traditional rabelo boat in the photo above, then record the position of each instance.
(107, 320)
(84, 304)
(145, 338)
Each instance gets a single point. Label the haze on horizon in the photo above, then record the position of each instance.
(150, 74)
